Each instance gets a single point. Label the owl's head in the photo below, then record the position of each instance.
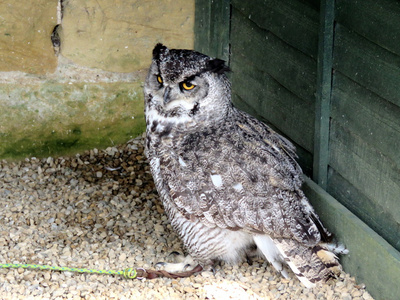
(187, 83)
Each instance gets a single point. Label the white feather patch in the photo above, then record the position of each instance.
(238, 187)
(217, 180)
(336, 248)
(182, 162)
(271, 252)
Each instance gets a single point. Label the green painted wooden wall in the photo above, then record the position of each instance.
(364, 171)
(326, 74)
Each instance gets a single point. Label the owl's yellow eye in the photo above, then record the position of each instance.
(188, 86)
(159, 79)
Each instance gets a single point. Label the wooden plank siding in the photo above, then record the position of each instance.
(367, 63)
(365, 114)
(273, 102)
(293, 69)
(292, 21)
(377, 21)
(375, 120)
(275, 79)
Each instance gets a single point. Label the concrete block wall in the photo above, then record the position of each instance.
(72, 71)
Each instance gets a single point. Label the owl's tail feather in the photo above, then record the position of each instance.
(310, 265)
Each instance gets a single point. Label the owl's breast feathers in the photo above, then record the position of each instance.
(239, 175)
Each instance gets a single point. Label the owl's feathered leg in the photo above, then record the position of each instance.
(310, 264)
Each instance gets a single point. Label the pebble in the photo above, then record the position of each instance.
(100, 210)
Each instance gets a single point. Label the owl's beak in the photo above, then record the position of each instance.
(167, 97)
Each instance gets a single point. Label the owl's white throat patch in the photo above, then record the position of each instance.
(183, 103)
(152, 114)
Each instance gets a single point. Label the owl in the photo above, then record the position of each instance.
(230, 185)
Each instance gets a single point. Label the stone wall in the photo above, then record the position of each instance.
(25, 30)
(72, 72)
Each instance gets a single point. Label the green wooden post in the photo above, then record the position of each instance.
(324, 87)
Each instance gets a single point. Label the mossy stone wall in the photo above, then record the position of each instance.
(72, 72)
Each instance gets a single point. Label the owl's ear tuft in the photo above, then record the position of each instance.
(158, 50)
(217, 66)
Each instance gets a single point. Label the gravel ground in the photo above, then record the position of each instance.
(100, 210)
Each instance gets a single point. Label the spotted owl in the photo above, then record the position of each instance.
(230, 185)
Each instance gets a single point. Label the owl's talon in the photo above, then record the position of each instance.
(213, 270)
(249, 260)
(160, 264)
(182, 264)
(175, 253)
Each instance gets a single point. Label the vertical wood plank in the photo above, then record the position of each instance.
(324, 87)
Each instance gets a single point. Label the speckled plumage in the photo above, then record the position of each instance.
(227, 181)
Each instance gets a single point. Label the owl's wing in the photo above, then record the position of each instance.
(247, 178)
